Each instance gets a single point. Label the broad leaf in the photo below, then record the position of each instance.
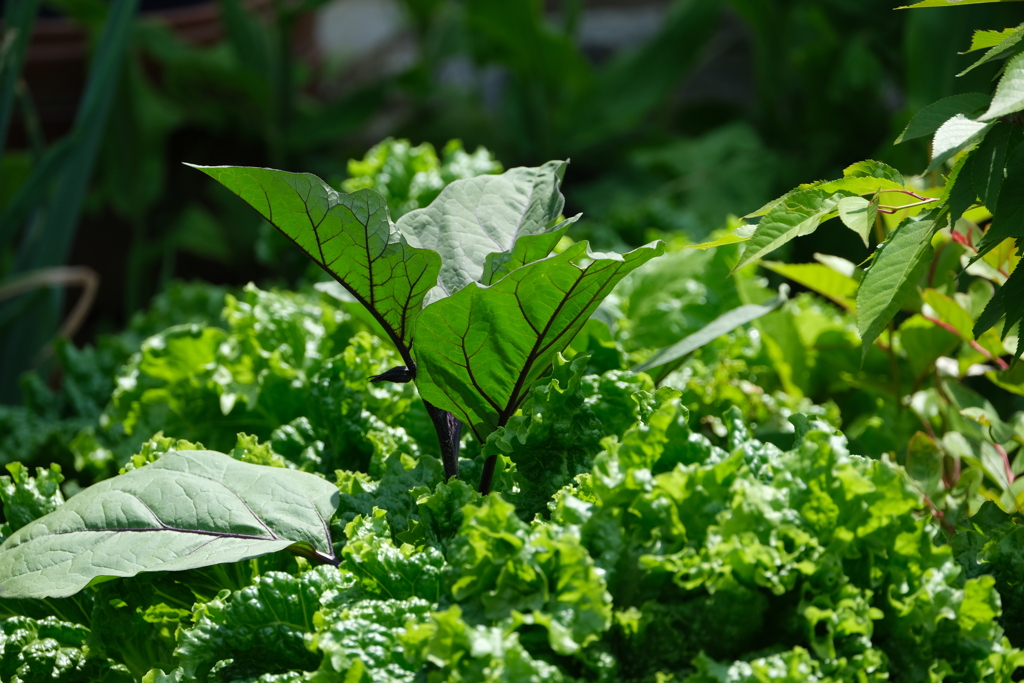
(898, 265)
(476, 217)
(859, 214)
(480, 349)
(826, 281)
(527, 249)
(982, 39)
(1009, 97)
(931, 118)
(798, 214)
(1008, 216)
(188, 509)
(954, 136)
(723, 324)
(348, 235)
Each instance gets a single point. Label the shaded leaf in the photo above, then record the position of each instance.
(188, 509)
(1008, 217)
(819, 277)
(950, 3)
(480, 350)
(931, 118)
(348, 235)
(723, 324)
(898, 264)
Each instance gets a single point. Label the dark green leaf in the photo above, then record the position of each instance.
(1008, 216)
(480, 350)
(348, 235)
(989, 162)
(931, 118)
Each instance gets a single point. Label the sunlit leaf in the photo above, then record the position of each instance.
(859, 214)
(798, 214)
(954, 136)
(1009, 97)
(479, 350)
(348, 235)
(898, 264)
(188, 509)
(476, 217)
(1007, 41)
(950, 312)
(818, 277)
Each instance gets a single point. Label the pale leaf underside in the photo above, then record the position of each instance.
(188, 509)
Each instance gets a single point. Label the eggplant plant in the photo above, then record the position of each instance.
(467, 288)
(468, 291)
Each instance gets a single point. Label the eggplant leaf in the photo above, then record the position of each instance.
(479, 350)
(188, 509)
(476, 217)
(350, 236)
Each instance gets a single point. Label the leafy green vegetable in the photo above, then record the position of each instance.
(410, 177)
(222, 511)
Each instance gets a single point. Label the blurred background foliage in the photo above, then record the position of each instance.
(675, 114)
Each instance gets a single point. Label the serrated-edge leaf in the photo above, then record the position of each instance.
(473, 218)
(1008, 217)
(350, 236)
(1007, 301)
(931, 117)
(954, 136)
(959, 193)
(480, 350)
(188, 509)
(983, 40)
(895, 270)
(1009, 96)
(989, 164)
(723, 324)
(800, 214)
(997, 51)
